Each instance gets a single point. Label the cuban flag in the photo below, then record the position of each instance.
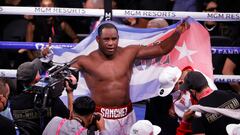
(192, 49)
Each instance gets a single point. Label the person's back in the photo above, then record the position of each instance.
(209, 123)
(81, 123)
(69, 127)
(24, 107)
(221, 99)
(7, 126)
(28, 105)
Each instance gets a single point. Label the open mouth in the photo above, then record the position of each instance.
(110, 49)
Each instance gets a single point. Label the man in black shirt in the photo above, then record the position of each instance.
(28, 106)
(232, 67)
(208, 123)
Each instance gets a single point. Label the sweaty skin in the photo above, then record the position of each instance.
(108, 69)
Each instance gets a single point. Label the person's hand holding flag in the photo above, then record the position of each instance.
(183, 26)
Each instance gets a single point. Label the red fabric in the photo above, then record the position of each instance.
(193, 50)
(187, 68)
(193, 100)
(184, 128)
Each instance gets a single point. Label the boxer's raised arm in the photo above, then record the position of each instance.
(160, 48)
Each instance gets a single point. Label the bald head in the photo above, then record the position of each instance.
(47, 3)
(157, 23)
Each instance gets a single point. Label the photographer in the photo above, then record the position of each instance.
(83, 118)
(33, 108)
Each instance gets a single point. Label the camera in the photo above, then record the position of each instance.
(93, 126)
(96, 117)
(52, 85)
(54, 82)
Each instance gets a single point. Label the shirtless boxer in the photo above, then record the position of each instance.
(108, 71)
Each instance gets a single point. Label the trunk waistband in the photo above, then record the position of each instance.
(115, 112)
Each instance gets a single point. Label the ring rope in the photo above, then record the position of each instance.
(33, 45)
(217, 78)
(56, 11)
(226, 78)
(40, 45)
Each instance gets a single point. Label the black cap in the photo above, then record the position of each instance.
(27, 71)
(194, 80)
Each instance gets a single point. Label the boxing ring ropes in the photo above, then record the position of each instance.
(55, 11)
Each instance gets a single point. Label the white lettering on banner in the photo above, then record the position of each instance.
(132, 13)
(43, 10)
(226, 80)
(60, 10)
(55, 11)
(114, 113)
(149, 13)
(231, 50)
(226, 16)
(159, 14)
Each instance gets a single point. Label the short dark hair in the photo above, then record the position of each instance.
(194, 80)
(106, 25)
(84, 105)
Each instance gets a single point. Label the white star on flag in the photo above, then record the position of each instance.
(184, 51)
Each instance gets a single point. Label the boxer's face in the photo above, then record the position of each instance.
(108, 41)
